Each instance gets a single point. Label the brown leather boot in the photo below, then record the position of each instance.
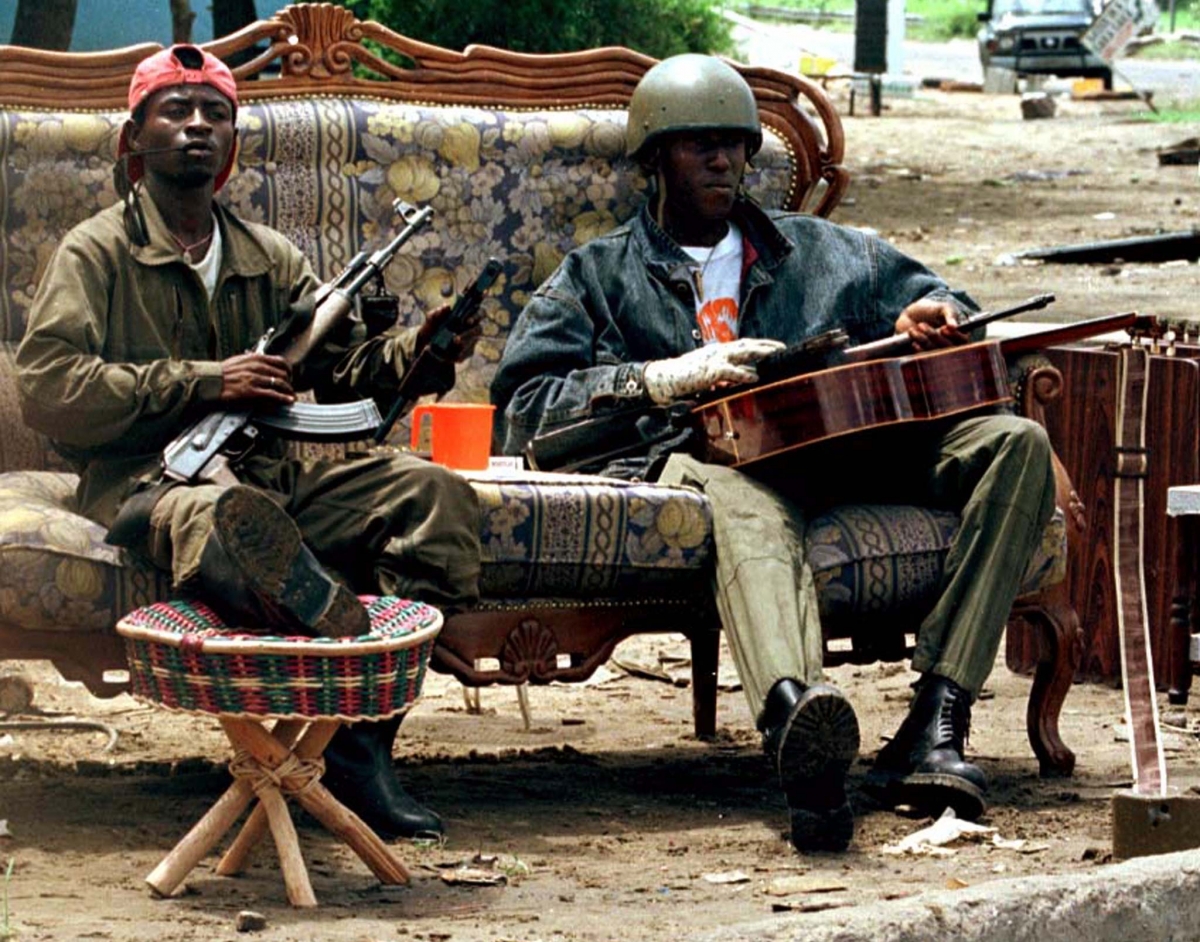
(256, 572)
(923, 765)
(811, 734)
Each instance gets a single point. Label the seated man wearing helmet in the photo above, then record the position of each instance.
(693, 292)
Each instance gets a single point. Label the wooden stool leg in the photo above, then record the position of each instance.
(310, 746)
(317, 801)
(201, 838)
(295, 874)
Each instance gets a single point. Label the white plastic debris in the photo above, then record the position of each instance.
(931, 841)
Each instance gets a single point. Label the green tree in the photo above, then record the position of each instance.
(658, 28)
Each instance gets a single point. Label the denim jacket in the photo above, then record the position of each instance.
(580, 345)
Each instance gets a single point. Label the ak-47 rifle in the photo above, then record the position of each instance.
(202, 451)
(437, 351)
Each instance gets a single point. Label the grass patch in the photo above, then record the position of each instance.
(1169, 50)
(938, 19)
(1187, 112)
(958, 19)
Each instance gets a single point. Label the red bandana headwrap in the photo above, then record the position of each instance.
(163, 70)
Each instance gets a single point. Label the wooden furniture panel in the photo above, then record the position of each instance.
(1081, 424)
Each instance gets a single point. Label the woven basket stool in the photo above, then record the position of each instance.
(183, 657)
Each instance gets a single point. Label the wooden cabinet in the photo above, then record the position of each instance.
(1082, 427)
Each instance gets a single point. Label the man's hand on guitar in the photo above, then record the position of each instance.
(463, 345)
(931, 325)
(702, 369)
(256, 376)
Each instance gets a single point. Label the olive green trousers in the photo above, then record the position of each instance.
(395, 525)
(995, 471)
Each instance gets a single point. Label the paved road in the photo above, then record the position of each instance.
(780, 46)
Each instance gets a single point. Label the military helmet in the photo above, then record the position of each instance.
(690, 93)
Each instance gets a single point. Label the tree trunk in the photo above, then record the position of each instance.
(182, 18)
(44, 24)
(231, 15)
(228, 17)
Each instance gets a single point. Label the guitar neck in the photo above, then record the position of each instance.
(900, 343)
(1070, 333)
(1036, 303)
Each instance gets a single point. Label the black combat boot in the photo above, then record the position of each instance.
(811, 735)
(923, 765)
(360, 773)
(256, 573)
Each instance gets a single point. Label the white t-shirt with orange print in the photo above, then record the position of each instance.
(718, 286)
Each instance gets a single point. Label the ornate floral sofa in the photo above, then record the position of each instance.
(520, 158)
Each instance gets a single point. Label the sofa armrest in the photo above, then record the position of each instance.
(1036, 382)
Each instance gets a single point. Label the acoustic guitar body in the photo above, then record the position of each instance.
(767, 421)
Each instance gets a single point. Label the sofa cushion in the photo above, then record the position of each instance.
(543, 535)
(870, 559)
(56, 571)
(575, 535)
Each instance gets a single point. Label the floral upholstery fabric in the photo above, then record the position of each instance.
(56, 571)
(871, 560)
(559, 535)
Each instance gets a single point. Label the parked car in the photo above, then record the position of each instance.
(1040, 37)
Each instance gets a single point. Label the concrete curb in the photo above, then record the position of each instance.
(1156, 899)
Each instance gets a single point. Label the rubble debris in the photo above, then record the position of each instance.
(804, 883)
(73, 724)
(1166, 247)
(16, 693)
(1086, 93)
(950, 85)
(1036, 105)
(473, 876)
(728, 876)
(250, 921)
(808, 906)
(1180, 153)
(1041, 176)
(930, 841)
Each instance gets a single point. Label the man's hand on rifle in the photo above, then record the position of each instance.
(464, 341)
(931, 324)
(256, 376)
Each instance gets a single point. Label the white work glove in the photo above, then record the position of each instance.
(703, 368)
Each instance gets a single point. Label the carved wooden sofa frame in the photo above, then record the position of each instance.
(58, 115)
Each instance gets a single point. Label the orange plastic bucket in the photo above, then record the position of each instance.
(460, 433)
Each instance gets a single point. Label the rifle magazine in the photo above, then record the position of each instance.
(323, 422)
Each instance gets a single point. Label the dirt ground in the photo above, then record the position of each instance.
(607, 818)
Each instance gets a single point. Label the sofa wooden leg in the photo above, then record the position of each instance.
(706, 647)
(1060, 650)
